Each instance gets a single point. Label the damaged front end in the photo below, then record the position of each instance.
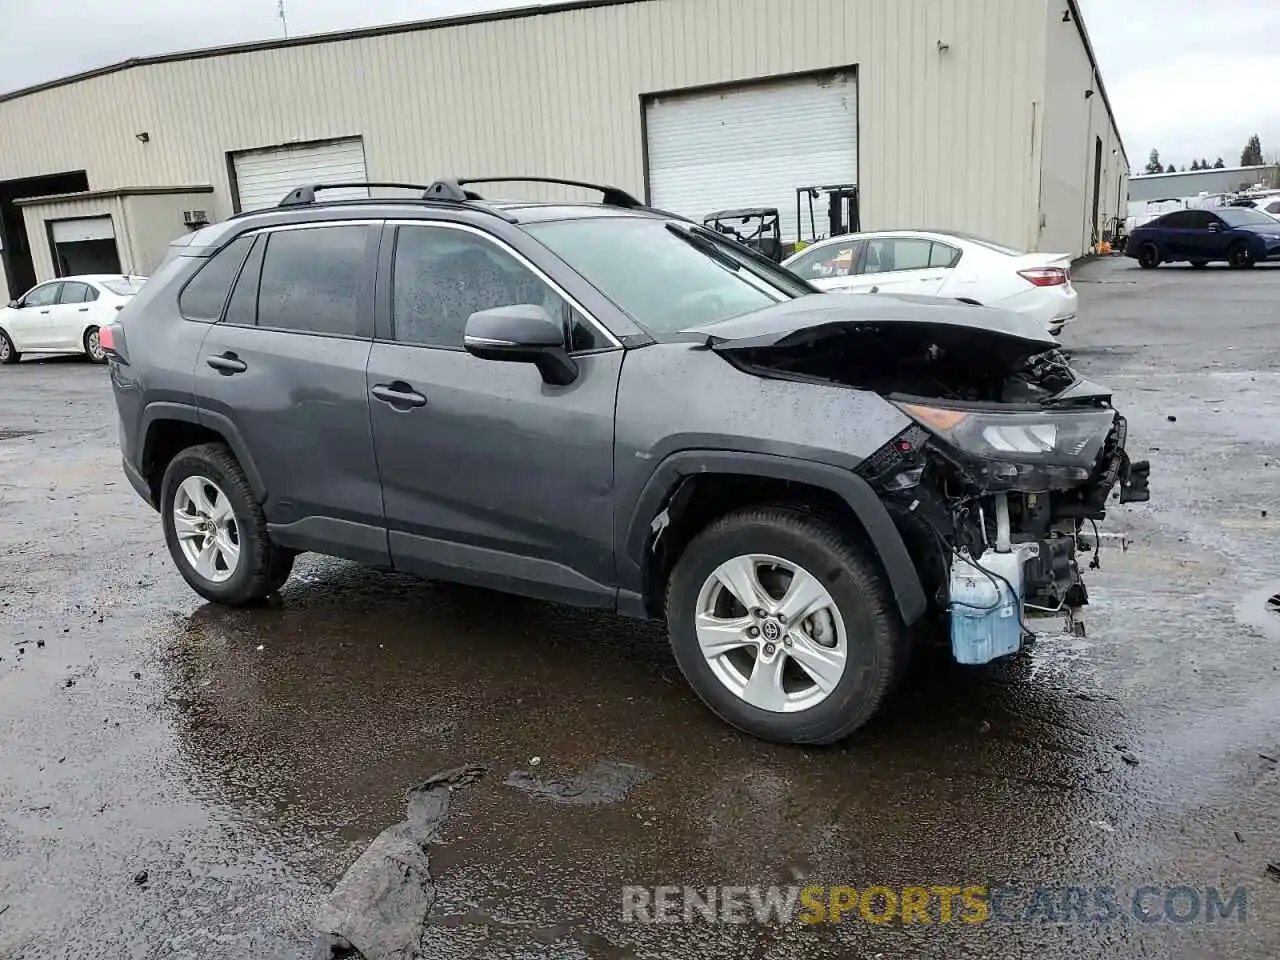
(1009, 457)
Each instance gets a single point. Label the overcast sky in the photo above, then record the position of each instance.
(1190, 77)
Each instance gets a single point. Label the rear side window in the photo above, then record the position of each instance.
(206, 293)
(74, 292)
(1178, 220)
(943, 255)
(310, 280)
(242, 308)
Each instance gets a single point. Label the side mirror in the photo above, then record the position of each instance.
(522, 333)
(14, 305)
(1214, 228)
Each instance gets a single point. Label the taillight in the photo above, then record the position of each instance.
(1045, 276)
(111, 338)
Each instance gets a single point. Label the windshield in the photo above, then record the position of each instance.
(1245, 217)
(668, 275)
(125, 286)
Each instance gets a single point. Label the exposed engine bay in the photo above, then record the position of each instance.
(1008, 465)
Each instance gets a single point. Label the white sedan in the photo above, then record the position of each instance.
(944, 264)
(64, 316)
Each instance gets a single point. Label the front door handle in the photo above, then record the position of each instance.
(82, 309)
(399, 394)
(227, 363)
(44, 311)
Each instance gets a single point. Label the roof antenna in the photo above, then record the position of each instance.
(283, 22)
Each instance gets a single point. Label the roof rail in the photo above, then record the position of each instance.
(301, 196)
(455, 190)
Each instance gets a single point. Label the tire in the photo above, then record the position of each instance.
(858, 620)
(1239, 256)
(1199, 264)
(260, 567)
(92, 348)
(7, 352)
(1148, 256)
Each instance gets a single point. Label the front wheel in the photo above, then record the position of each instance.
(93, 346)
(1240, 256)
(216, 531)
(1148, 256)
(783, 626)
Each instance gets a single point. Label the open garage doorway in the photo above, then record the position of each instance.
(83, 245)
(15, 244)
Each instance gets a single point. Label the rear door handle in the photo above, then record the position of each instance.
(398, 394)
(227, 363)
(82, 309)
(44, 311)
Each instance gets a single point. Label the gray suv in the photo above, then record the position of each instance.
(603, 404)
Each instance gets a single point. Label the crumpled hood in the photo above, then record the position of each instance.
(788, 322)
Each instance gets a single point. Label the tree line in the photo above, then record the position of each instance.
(1250, 156)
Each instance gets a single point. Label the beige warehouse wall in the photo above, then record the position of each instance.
(1072, 123)
(946, 135)
(154, 220)
(36, 215)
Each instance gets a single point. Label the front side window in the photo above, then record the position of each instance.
(827, 262)
(45, 296)
(1200, 220)
(206, 293)
(667, 276)
(442, 276)
(74, 292)
(310, 279)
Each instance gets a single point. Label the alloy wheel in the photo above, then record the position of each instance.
(206, 528)
(4, 349)
(93, 344)
(771, 633)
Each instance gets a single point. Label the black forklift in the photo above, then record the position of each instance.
(754, 227)
(841, 214)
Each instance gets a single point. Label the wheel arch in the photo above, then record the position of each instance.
(679, 479)
(168, 428)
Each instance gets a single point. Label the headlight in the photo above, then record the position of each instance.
(1068, 439)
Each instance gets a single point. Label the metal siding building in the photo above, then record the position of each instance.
(970, 116)
(1192, 183)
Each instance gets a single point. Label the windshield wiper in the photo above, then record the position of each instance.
(704, 245)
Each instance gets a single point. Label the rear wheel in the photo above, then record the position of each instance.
(216, 531)
(1148, 256)
(783, 626)
(1240, 256)
(7, 352)
(93, 346)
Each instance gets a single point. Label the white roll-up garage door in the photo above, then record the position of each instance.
(264, 177)
(752, 146)
(84, 228)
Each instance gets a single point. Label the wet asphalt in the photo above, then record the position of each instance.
(180, 780)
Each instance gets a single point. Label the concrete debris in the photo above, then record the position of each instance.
(379, 908)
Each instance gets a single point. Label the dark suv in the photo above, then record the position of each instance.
(606, 405)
